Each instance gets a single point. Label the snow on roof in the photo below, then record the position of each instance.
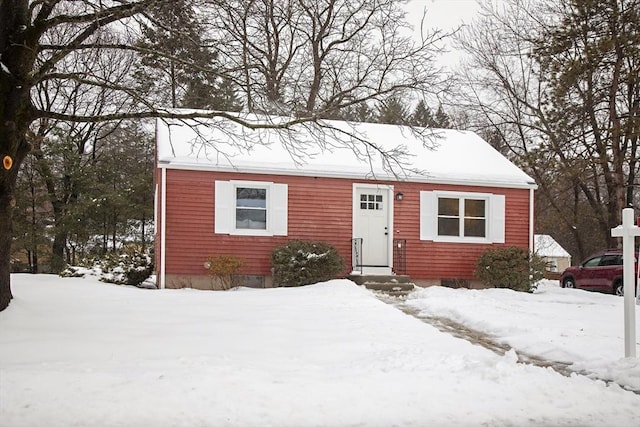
(336, 149)
(546, 246)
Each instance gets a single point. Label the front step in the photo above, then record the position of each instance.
(389, 286)
(375, 278)
(393, 284)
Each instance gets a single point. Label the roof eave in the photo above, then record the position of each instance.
(344, 174)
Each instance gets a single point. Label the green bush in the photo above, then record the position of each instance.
(129, 268)
(302, 262)
(510, 267)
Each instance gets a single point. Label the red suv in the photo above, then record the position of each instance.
(600, 272)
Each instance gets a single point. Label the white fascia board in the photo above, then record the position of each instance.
(345, 174)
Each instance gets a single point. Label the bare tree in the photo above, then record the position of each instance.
(308, 57)
(558, 82)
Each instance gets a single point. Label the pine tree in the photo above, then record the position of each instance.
(392, 111)
(422, 116)
(218, 94)
(177, 68)
(441, 119)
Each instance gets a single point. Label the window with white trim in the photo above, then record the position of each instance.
(252, 208)
(448, 216)
(462, 217)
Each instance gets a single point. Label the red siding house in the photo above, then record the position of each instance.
(427, 209)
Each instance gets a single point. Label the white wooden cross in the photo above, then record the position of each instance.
(628, 231)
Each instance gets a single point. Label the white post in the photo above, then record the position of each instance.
(628, 231)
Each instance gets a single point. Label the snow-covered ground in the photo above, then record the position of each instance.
(580, 328)
(77, 352)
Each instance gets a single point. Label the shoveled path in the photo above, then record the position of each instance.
(480, 338)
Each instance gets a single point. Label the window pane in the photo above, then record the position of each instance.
(474, 227)
(251, 198)
(254, 219)
(363, 206)
(448, 207)
(448, 227)
(474, 208)
(593, 262)
(363, 197)
(379, 199)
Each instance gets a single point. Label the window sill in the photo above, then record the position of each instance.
(455, 239)
(257, 233)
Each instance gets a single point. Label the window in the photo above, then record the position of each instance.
(611, 260)
(461, 217)
(372, 202)
(593, 262)
(250, 208)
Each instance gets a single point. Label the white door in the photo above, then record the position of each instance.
(371, 224)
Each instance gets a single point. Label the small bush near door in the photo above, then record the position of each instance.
(510, 267)
(302, 262)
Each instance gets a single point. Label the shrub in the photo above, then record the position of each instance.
(510, 267)
(224, 269)
(302, 262)
(70, 271)
(129, 268)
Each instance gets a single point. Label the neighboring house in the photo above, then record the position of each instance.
(556, 257)
(223, 189)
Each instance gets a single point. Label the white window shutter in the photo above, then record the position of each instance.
(497, 218)
(224, 207)
(278, 209)
(428, 215)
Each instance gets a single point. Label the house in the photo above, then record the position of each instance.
(556, 257)
(225, 189)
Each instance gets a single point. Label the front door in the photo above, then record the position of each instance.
(371, 223)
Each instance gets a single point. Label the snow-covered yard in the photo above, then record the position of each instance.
(77, 352)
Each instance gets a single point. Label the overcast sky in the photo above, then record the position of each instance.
(446, 15)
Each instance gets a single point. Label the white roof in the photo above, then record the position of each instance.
(546, 246)
(336, 149)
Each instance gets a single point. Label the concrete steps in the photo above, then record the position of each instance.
(391, 284)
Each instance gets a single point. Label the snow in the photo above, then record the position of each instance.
(336, 149)
(77, 352)
(546, 246)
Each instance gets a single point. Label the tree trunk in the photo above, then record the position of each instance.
(144, 238)
(57, 251)
(6, 210)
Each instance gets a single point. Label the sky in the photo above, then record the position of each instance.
(78, 352)
(446, 15)
(443, 14)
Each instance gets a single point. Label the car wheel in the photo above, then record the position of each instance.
(618, 288)
(569, 283)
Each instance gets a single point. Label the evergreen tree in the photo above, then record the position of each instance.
(392, 111)
(178, 69)
(31, 220)
(363, 113)
(219, 94)
(422, 116)
(441, 120)
(354, 113)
